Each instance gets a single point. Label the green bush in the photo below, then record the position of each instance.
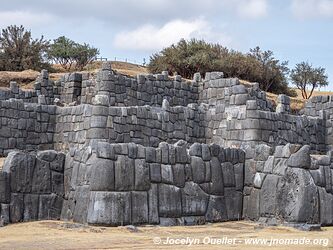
(189, 57)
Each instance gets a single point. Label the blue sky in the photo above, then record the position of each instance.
(295, 30)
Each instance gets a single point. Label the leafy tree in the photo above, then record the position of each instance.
(272, 74)
(84, 54)
(68, 53)
(187, 58)
(19, 51)
(62, 51)
(304, 76)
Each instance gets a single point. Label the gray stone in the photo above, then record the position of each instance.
(169, 201)
(195, 149)
(31, 203)
(4, 188)
(326, 207)
(216, 186)
(4, 214)
(153, 216)
(178, 175)
(269, 165)
(262, 152)
(300, 159)
(297, 197)
(234, 204)
(268, 195)
(167, 174)
(205, 152)
(216, 210)
(139, 207)
(20, 166)
(198, 169)
(251, 208)
(194, 200)
(124, 173)
(50, 206)
(105, 150)
(16, 207)
(109, 208)
(142, 182)
(41, 179)
(228, 174)
(155, 172)
(102, 175)
(258, 180)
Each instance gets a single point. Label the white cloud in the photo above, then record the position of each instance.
(307, 9)
(151, 37)
(251, 9)
(26, 18)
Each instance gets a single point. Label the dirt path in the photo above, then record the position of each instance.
(62, 235)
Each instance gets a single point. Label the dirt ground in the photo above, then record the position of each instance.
(227, 235)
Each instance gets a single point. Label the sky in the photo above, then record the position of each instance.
(295, 30)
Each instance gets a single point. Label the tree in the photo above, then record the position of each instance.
(304, 76)
(272, 73)
(68, 53)
(84, 54)
(62, 51)
(187, 58)
(19, 51)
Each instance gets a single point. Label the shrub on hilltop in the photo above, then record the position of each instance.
(189, 57)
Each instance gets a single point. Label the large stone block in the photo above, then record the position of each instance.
(198, 169)
(262, 152)
(41, 180)
(326, 207)
(20, 166)
(297, 197)
(57, 183)
(300, 159)
(216, 210)
(16, 207)
(167, 174)
(153, 216)
(216, 186)
(170, 201)
(81, 199)
(194, 200)
(4, 188)
(50, 206)
(228, 174)
(268, 195)
(139, 207)
(124, 173)
(142, 182)
(5, 213)
(31, 204)
(234, 204)
(102, 175)
(178, 175)
(109, 208)
(251, 206)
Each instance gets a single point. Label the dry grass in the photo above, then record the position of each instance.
(63, 235)
(26, 78)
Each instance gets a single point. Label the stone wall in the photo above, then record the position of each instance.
(289, 185)
(31, 186)
(26, 126)
(127, 183)
(162, 150)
